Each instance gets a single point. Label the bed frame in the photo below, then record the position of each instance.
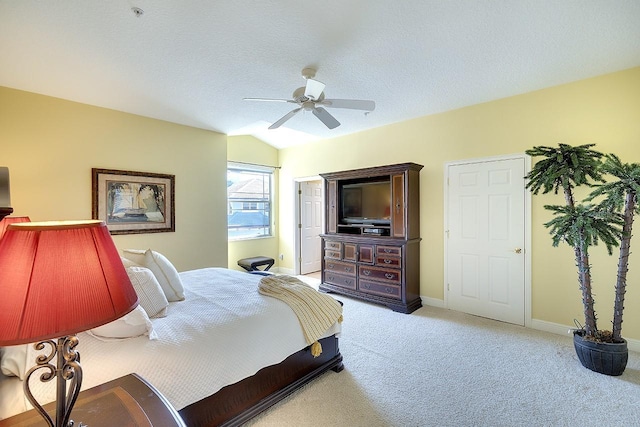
(237, 403)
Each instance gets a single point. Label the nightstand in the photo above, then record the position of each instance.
(128, 401)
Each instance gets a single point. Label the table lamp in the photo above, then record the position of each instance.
(4, 223)
(58, 279)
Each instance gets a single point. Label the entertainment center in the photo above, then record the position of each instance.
(371, 244)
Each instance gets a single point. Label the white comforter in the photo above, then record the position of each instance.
(222, 332)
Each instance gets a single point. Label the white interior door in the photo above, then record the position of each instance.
(310, 226)
(486, 239)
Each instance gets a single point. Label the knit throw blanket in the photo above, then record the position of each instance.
(316, 312)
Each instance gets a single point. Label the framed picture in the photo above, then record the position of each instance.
(133, 202)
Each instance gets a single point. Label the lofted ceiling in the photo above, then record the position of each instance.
(193, 61)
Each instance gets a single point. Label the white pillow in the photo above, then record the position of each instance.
(136, 256)
(149, 291)
(128, 263)
(131, 325)
(165, 272)
(14, 360)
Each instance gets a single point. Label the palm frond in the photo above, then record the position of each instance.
(585, 225)
(627, 182)
(563, 167)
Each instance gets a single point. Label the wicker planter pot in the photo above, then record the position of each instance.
(604, 358)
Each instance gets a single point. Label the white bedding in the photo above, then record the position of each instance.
(222, 332)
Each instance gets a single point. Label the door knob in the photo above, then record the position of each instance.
(518, 250)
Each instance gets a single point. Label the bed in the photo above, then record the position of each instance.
(186, 354)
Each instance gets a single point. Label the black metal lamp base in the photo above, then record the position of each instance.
(67, 369)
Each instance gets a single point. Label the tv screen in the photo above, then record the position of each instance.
(367, 202)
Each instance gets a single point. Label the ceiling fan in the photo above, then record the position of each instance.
(311, 98)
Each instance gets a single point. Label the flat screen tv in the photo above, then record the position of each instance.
(366, 203)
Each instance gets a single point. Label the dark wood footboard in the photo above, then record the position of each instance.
(235, 404)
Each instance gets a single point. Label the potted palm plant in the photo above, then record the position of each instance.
(585, 224)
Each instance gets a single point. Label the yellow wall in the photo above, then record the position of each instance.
(248, 149)
(603, 110)
(50, 146)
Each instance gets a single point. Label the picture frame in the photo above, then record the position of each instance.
(133, 202)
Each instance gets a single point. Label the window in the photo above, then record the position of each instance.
(249, 201)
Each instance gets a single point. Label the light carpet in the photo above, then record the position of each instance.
(438, 367)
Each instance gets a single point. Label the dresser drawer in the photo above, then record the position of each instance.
(340, 280)
(339, 267)
(377, 288)
(328, 253)
(336, 246)
(388, 261)
(349, 252)
(388, 250)
(365, 254)
(378, 273)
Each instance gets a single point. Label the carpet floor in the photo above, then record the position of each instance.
(437, 367)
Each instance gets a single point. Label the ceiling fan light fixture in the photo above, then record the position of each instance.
(313, 89)
(311, 98)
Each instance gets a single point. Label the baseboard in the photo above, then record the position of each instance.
(432, 302)
(554, 328)
(540, 325)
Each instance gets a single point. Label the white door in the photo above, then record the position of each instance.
(486, 239)
(310, 226)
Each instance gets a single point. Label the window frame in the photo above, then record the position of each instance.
(258, 170)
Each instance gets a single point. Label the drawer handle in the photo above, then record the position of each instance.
(330, 265)
(388, 290)
(347, 269)
(366, 272)
(387, 251)
(348, 282)
(367, 286)
(330, 278)
(387, 261)
(390, 275)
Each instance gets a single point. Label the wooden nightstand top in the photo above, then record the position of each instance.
(127, 401)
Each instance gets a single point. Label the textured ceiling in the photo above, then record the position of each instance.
(193, 61)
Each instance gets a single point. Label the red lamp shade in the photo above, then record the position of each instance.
(59, 278)
(4, 223)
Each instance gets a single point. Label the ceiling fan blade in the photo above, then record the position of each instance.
(313, 89)
(326, 118)
(285, 118)
(352, 104)
(269, 100)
